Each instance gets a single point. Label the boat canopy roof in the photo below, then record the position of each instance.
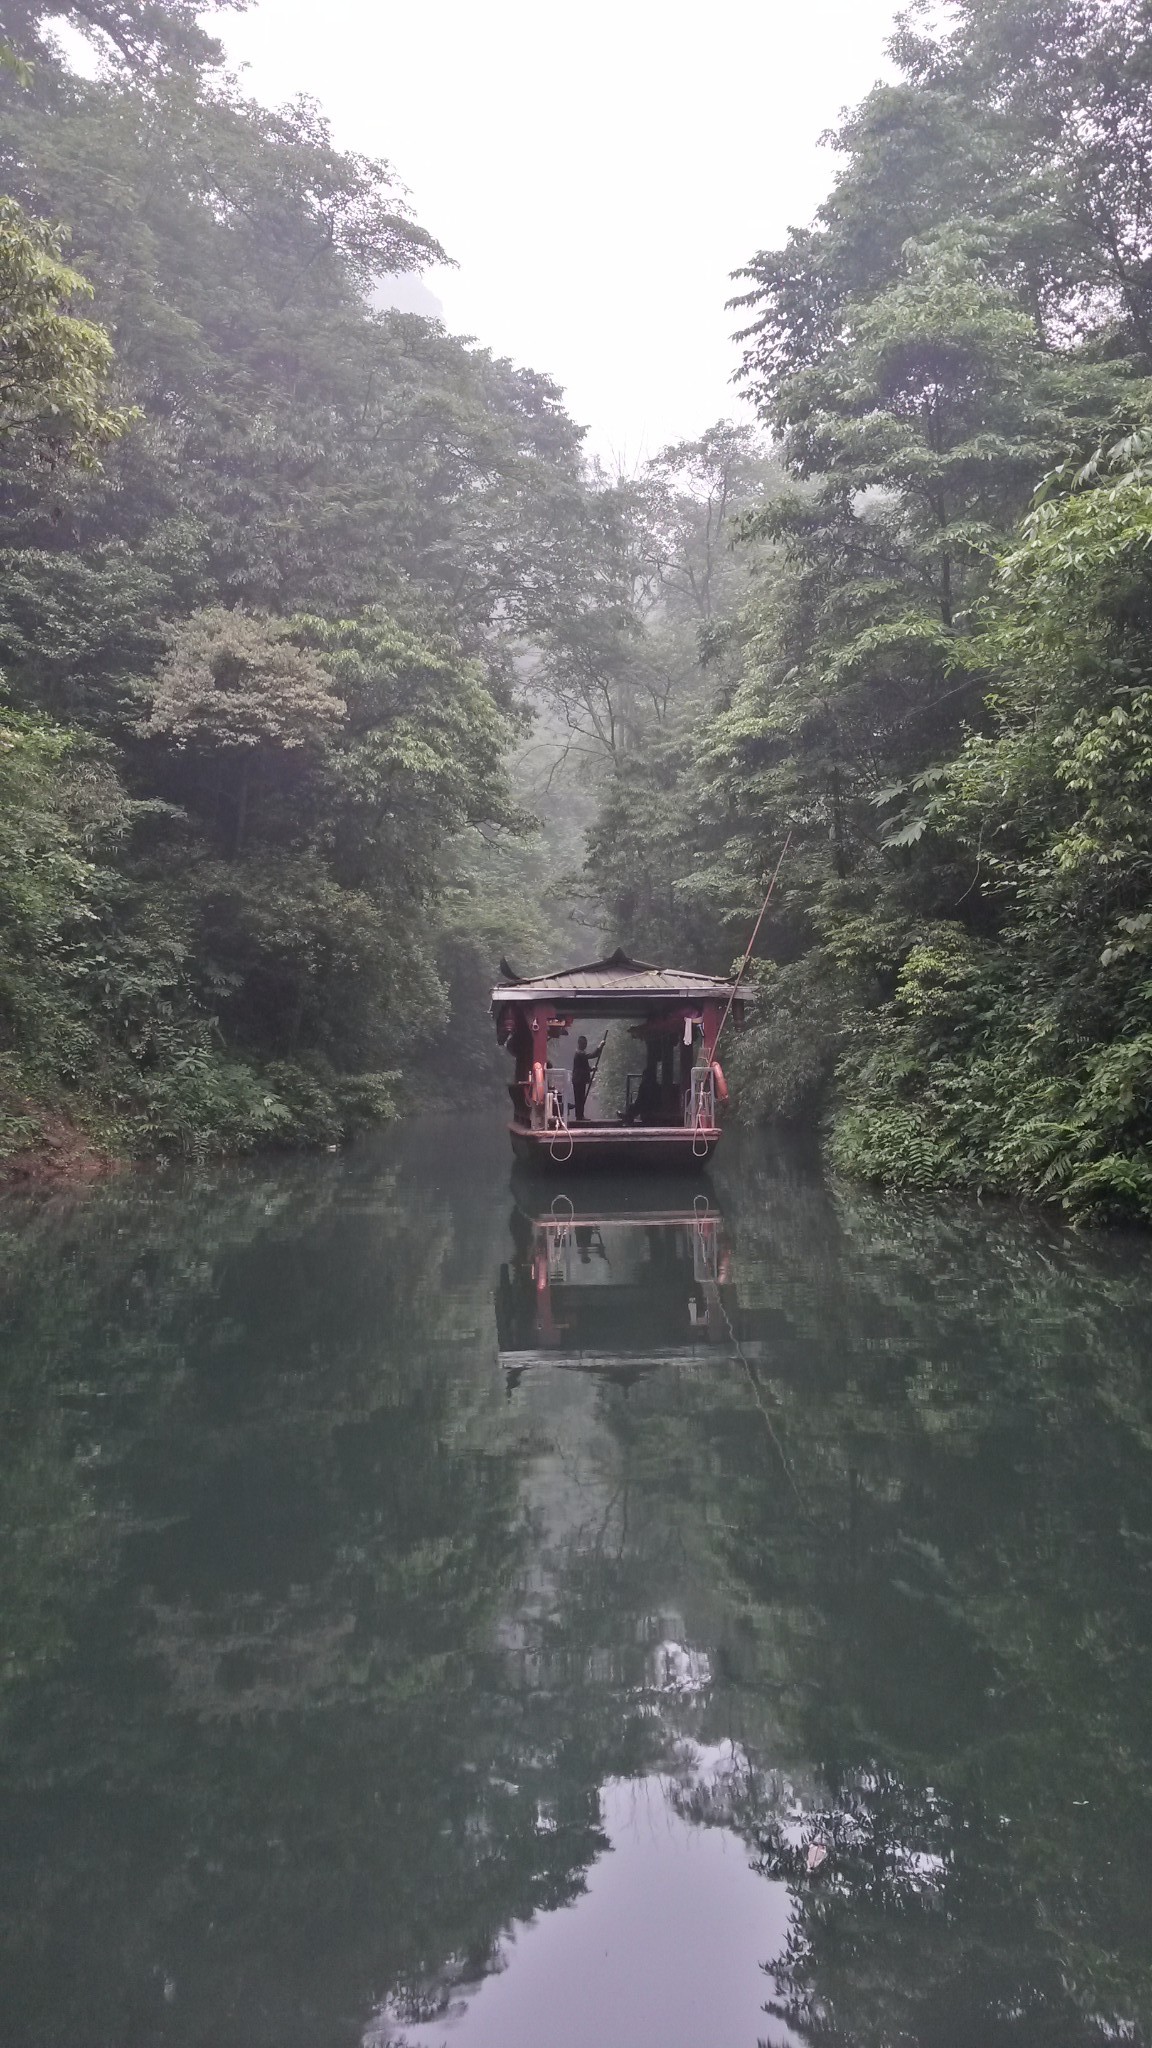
(603, 984)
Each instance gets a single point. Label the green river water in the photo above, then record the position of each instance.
(438, 1611)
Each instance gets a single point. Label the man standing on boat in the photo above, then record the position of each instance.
(584, 1072)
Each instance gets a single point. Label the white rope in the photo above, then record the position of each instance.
(699, 1142)
(561, 1158)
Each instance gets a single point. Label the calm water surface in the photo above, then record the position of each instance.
(661, 1617)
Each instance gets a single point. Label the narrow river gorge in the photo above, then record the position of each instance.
(438, 1610)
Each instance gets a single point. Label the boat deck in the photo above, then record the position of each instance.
(584, 1146)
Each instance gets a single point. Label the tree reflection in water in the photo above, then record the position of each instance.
(323, 1633)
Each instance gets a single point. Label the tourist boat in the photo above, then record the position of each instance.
(669, 1115)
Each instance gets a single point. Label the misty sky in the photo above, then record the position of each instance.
(596, 172)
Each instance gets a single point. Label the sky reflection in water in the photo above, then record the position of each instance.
(663, 1946)
(437, 1613)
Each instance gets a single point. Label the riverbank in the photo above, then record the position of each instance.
(45, 1148)
(40, 1148)
(205, 1107)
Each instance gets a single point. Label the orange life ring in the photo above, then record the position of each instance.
(720, 1083)
(539, 1086)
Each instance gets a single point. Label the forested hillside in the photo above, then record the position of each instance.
(266, 560)
(939, 677)
(311, 613)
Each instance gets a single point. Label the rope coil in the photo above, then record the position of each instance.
(561, 1158)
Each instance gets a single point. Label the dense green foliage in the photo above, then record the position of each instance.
(266, 559)
(306, 607)
(939, 679)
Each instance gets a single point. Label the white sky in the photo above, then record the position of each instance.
(596, 171)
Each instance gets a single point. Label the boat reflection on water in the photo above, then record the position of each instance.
(617, 1281)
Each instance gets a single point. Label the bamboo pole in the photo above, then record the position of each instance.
(752, 941)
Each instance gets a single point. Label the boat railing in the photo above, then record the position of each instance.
(699, 1100)
(700, 1107)
(558, 1242)
(555, 1097)
(705, 1251)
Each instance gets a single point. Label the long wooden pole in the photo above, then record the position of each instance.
(752, 941)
